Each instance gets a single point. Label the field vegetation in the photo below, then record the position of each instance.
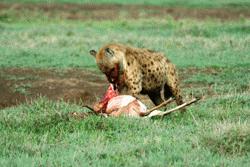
(212, 55)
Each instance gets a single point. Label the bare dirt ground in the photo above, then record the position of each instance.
(112, 11)
(21, 85)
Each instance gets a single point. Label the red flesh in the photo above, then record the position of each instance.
(110, 93)
(113, 78)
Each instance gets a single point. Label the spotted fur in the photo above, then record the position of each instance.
(140, 71)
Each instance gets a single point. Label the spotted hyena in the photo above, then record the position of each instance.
(140, 71)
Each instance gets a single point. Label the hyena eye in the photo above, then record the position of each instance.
(109, 52)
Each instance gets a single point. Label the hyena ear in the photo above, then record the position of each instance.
(92, 52)
(109, 52)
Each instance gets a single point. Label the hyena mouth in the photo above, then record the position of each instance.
(112, 76)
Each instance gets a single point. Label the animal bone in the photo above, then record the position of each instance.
(157, 107)
(164, 113)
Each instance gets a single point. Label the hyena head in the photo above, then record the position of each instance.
(109, 60)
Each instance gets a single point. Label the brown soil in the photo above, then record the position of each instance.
(20, 85)
(112, 11)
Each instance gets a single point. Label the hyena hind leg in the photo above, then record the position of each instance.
(173, 92)
(155, 97)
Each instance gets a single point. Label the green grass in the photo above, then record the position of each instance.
(208, 134)
(64, 44)
(21, 88)
(183, 3)
(213, 58)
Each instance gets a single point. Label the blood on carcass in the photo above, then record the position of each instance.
(114, 104)
(101, 106)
